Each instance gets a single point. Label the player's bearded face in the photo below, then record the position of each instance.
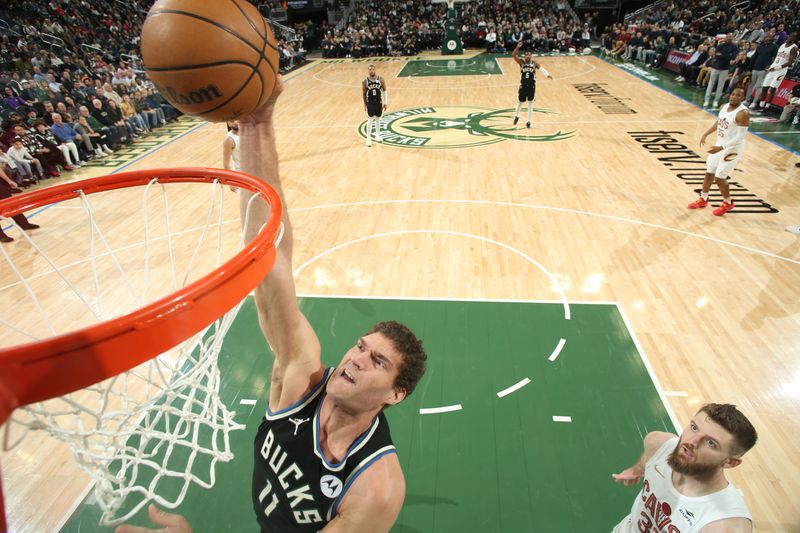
(692, 465)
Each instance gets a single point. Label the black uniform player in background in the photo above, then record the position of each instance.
(376, 98)
(527, 84)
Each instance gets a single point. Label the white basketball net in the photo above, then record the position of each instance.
(149, 433)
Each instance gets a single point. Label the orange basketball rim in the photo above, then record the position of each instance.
(35, 371)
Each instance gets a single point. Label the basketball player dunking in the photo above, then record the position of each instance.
(685, 489)
(376, 98)
(731, 127)
(527, 84)
(323, 456)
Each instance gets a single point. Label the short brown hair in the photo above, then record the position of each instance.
(730, 418)
(410, 348)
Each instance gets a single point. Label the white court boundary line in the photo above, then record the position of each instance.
(557, 210)
(550, 276)
(496, 203)
(513, 388)
(557, 351)
(437, 410)
(449, 299)
(674, 419)
(642, 355)
(553, 280)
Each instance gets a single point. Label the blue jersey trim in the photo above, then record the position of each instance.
(304, 398)
(353, 477)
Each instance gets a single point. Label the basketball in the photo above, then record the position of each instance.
(214, 60)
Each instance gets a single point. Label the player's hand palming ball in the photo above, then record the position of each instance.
(214, 59)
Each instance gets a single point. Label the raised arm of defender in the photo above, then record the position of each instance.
(296, 346)
(634, 473)
(514, 55)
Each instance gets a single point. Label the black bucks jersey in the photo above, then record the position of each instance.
(295, 488)
(527, 83)
(374, 97)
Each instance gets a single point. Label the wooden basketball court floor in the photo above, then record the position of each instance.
(457, 205)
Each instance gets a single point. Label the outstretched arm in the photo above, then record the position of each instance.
(708, 132)
(172, 523)
(514, 55)
(634, 473)
(544, 70)
(227, 152)
(297, 364)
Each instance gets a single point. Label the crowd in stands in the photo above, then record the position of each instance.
(380, 27)
(293, 42)
(731, 44)
(72, 84)
(544, 26)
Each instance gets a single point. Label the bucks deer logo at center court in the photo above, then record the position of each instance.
(460, 127)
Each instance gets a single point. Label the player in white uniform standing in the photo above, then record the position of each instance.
(230, 147)
(685, 489)
(731, 128)
(776, 73)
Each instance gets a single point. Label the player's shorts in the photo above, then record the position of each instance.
(527, 94)
(773, 79)
(723, 162)
(374, 109)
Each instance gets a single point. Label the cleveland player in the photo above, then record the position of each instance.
(685, 489)
(376, 98)
(776, 73)
(731, 127)
(527, 83)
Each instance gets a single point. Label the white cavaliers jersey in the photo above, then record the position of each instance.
(660, 508)
(727, 127)
(235, 152)
(783, 57)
